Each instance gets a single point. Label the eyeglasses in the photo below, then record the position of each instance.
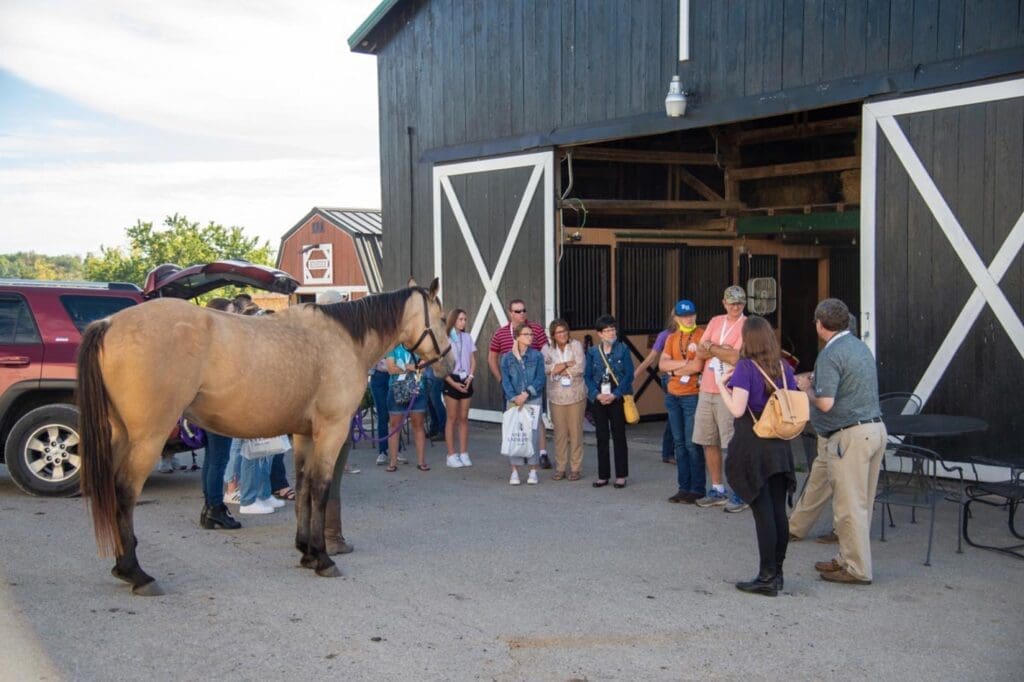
(518, 312)
(530, 334)
(561, 331)
(606, 330)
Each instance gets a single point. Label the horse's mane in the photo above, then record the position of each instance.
(381, 313)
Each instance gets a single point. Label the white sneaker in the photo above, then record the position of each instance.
(382, 459)
(514, 478)
(234, 497)
(273, 502)
(453, 462)
(532, 478)
(466, 461)
(257, 507)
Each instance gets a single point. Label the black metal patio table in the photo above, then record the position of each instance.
(932, 425)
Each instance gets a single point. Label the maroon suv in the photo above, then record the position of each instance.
(41, 323)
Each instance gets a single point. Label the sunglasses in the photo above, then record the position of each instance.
(518, 312)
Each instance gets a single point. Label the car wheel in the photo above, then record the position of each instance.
(42, 451)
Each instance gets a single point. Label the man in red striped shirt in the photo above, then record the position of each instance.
(502, 342)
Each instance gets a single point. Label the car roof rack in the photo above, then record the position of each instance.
(59, 284)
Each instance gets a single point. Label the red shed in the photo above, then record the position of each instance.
(334, 248)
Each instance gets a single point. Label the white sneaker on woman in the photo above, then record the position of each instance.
(466, 461)
(273, 502)
(257, 507)
(453, 462)
(514, 478)
(532, 478)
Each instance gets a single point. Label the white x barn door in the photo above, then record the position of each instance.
(942, 227)
(494, 240)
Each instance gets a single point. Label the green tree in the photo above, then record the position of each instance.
(31, 265)
(181, 242)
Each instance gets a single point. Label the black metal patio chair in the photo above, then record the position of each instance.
(1006, 495)
(917, 486)
(900, 402)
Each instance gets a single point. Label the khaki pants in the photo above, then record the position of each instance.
(816, 494)
(568, 423)
(854, 457)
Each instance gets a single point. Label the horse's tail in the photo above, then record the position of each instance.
(98, 484)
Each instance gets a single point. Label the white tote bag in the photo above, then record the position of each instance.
(517, 426)
(258, 448)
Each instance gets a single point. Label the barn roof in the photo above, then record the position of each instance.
(364, 226)
(362, 40)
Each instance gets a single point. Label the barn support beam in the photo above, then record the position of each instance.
(628, 206)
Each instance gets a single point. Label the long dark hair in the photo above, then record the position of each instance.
(761, 346)
(555, 324)
(453, 317)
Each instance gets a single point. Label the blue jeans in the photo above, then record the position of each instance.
(278, 475)
(690, 474)
(668, 446)
(215, 461)
(379, 391)
(255, 482)
(233, 470)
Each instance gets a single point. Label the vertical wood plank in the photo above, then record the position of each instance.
(855, 37)
(813, 40)
(925, 42)
(901, 31)
(834, 37)
(950, 29)
(772, 35)
(876, 41)
(793, 44)
(753, 44)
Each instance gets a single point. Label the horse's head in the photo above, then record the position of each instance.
(427, 327)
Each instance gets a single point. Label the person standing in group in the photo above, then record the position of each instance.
(458, 389)
(380, 382)
(668, 451)
(608, 376)
(438, 415)
(567, 395)
(502, 342)
(522, 381)
(759, 469)
(679, 361)
(712, 428)
(402, 367)
(215, 460)
(851, 438)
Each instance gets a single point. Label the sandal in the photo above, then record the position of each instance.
(391, 468)
(285, 494)
(575, 476)
(559, 475)
(423, 467)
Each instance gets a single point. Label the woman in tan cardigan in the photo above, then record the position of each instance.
(567, 396)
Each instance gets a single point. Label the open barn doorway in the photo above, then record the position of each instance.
(772, 205)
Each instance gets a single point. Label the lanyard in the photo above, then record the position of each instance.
(836, 336)
(726, 330)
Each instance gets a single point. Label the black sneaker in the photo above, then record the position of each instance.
(682, 497)
(545, 463)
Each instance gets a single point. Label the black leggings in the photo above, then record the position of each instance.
(769, 510)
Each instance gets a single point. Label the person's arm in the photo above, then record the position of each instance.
(726, 354)
(492, 362)
(506, 380)
(734, 398)
(652, 358)
(625, 387)
(537, 387)
(393, 367)
(472, 367)
(578, 359)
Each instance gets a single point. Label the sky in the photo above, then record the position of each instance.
(244, 113)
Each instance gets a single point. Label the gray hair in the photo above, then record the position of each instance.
(833, 315)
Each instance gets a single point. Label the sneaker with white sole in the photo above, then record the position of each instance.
(453, 462)
(257, 507)
(532, 478)
(466, 461)
(714, 498)
(382, 459)
(232, 497)
(514, 478)
(273, 502)
(736, 507)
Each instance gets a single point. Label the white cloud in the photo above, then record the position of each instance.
(74, 209)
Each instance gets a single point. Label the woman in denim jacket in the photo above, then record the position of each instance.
(522, 380)
(605, 394)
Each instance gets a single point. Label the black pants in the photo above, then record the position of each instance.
(769, 510)
(612, 416)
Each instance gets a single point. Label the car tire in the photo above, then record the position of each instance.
(42, 451)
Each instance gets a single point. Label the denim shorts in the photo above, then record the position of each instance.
(419, 403)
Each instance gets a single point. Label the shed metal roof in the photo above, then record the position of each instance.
(360, 40)
(366, 229)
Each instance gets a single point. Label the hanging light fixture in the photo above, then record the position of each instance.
(675, 101)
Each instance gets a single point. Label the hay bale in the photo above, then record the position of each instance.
(851, 185)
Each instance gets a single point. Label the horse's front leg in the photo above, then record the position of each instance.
(315, 480)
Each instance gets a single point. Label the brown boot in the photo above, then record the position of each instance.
(333, 539)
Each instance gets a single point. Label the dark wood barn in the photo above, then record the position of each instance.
(869, 150)
(334, 248)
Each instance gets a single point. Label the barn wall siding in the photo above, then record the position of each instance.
(458, 73)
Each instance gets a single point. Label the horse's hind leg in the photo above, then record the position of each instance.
(127, 566)
(314, 489)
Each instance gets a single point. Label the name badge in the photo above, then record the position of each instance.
(565, 381)
(685, 379)
(606, 389)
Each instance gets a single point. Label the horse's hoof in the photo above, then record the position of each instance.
(307, 561)
(150, 589)
(120, 576)
(329, 572)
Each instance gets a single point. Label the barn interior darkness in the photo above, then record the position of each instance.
(648, 220)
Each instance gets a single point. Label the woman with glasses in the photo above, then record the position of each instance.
(609, 377)
(522, 381)
(567, 395)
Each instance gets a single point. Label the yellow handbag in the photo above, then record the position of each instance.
(629, 409)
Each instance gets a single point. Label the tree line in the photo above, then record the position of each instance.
(179, 241)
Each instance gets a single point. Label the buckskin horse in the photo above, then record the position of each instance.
(301, 371)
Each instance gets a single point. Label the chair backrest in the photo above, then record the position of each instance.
(899, 403)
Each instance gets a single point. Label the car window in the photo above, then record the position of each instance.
(16, 323)
(83, 309)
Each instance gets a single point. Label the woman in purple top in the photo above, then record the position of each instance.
(458, 389)
(760, 470)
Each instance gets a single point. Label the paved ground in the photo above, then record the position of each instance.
(456, 575)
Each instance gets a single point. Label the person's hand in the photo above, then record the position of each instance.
(520, 399)
(803, 381)
(605, 398)
(727, 375)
